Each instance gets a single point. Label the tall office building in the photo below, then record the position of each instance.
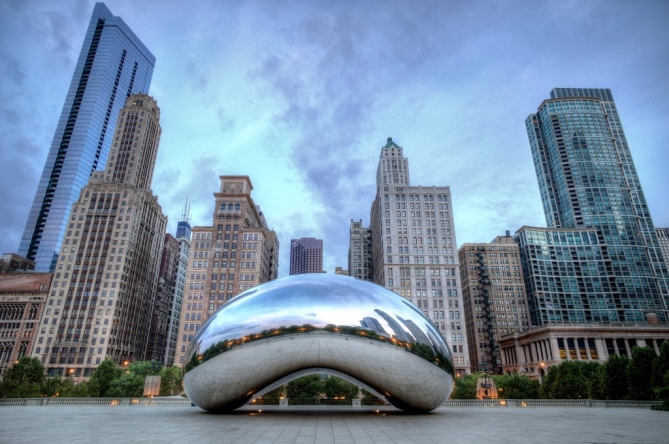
(237, 252)
(663, 240)
(112, 65)
(587, 180)
(162, 302)
(306, 255)
(413, 243)
(101, 298)
(495, 302)
(360, 251)
(183, 237)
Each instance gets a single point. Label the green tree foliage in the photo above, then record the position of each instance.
(170, 381)
(548, 382)
(128, 385)
(276, 393)
(23, 379)
(465, 387)
(308, 386)
(516, 386)
(51, 386)
(661, 365)
(337, 387)
(28, 370)
(565, 381)
(106, 372)
(596, 376)
(640, 373)
(144, 368)
(615, 375)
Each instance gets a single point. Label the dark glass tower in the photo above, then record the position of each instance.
(587, 179)
(112, 65)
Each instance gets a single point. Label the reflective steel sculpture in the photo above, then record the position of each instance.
(318, 323)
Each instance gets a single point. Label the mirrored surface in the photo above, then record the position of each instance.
(318, 321)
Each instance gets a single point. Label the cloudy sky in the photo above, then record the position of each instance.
(300, 96)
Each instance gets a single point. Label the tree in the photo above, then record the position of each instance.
(569, 381)
(26, 370)
(276, 393)
(596, 376)
(308, 386)
(548, 382)
(106, 372)
(661, 365)
(615, 377)
(170, 381)
(516, 386)
(337, 387)
(128, 385)
(51, 386)
(465, 387)
(23, 379)
(640, 373)
(144, 368)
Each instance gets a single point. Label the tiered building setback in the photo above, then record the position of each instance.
(237, 252)
(306, 255)
(102, 295)
(413, 248)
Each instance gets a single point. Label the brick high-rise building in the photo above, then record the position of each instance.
(495, 302)
(360, 251)
(237, 252)
(162, 303)
(107, 271)
(413, 248)
(112, 65)
(22, 299)
(306, 255)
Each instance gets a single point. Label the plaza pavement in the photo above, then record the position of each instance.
(139, 424)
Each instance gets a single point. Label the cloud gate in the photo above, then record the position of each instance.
(318, 323)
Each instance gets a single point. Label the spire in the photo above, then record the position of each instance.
(185, 214)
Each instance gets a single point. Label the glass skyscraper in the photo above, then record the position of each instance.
(112, 65)
(587, 179)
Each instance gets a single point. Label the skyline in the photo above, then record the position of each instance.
(302, 98)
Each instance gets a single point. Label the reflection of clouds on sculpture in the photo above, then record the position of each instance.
(321, 310)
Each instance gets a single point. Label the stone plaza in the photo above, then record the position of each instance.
(320, 424)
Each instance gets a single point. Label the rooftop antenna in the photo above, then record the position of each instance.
(185, 214)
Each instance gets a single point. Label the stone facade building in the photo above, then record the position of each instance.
(413, 248)
(22, 299)
(360, 251)
(107, 271)
(237, 252)
(663, 240)
(495, 302)
(306, 255)
(533, 352)
(162, 303)
(11, 262)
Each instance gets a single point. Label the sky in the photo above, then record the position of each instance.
(301, 96)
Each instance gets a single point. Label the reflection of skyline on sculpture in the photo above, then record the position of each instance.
(341, 305)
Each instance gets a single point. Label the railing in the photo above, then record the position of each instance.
(185, 402)
(95, 401)
(549, 403)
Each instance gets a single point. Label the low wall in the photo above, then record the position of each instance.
(184, 402)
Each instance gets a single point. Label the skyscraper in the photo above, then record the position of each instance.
(236, 252)
(413, 248)
(495, 302)
(360, 251)
(306, 255)
(112, 65)
(587, 179)
(102, 294)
